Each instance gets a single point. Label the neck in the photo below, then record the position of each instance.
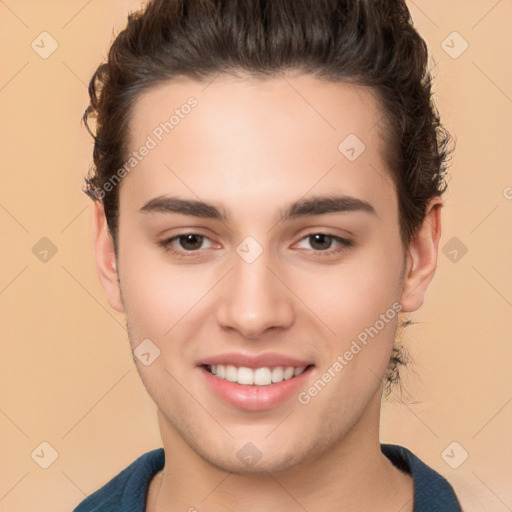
(352, 475)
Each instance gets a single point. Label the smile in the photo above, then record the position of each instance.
(264, 376)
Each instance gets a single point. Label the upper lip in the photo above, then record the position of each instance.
(268, 359)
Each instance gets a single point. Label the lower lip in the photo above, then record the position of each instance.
(255, 398)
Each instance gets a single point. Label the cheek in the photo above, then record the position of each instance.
(157, 295)
(351, 296)
(360, 303)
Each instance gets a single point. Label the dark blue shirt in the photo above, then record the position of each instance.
(127, 491)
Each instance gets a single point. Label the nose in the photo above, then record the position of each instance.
(255, 298)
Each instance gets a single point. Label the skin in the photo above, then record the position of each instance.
(252, 147)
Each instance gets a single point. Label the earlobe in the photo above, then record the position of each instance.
(422, 258)
(104, 255)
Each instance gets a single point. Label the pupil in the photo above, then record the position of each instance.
(324, 240)
(189, 239)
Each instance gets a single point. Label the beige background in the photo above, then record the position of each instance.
(67, 376)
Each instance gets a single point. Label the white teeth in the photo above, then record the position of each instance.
(277, 374)
(298, 371)
(262, 377)
(245, 376)
(259, 377)
(288, 373)
(231, 373)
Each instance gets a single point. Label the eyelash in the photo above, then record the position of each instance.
(166, 244)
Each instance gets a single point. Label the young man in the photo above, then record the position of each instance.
(267, 189)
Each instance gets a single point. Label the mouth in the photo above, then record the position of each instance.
(263, 376)
(256, 387)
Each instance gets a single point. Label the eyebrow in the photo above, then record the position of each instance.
(319, 205)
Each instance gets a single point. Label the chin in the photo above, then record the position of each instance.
(258, 466)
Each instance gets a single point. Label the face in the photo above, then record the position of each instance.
(254, 237)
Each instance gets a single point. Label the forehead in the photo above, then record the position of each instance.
(258, 138)
(300, 101)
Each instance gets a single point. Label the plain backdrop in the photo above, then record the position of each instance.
(67, 375)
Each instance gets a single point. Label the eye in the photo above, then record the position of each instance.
(322, 242)
(189, 243)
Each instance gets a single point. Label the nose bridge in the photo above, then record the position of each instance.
(255, 299)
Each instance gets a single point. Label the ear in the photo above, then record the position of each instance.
(105, 257)
(422, 258)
